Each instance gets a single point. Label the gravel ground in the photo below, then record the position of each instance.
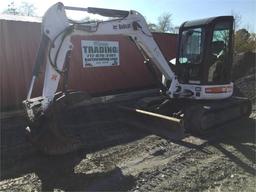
(136, 161)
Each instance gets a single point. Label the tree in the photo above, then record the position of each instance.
(152, 27)
(11, 10)
(244, 41)
(237, 19)
(164, 23)
(25, 9)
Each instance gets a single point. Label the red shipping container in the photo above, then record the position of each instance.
(19, 41)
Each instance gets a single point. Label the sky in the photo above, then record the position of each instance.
(181, 10)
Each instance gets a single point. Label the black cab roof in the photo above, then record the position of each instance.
(206, 21)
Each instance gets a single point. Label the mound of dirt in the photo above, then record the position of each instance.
(244, 64)
(243, 74)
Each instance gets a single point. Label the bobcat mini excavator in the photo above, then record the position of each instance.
(196, 84)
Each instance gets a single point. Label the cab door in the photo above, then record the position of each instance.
(219, 60)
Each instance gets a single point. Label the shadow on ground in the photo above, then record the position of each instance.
(58, 172)
(241, 135)
(243, 138)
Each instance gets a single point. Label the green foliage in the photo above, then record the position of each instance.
(244, 41)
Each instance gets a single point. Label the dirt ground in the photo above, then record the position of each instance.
(133, 161)
(121, 157)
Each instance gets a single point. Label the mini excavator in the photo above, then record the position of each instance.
(196, 84)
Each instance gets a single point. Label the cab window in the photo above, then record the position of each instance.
(219, 55)
(191, 49)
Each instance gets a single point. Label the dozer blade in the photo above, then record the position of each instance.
(158, 124)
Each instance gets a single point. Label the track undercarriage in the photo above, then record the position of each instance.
(199, 116)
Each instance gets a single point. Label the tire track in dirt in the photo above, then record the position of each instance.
(195, 171)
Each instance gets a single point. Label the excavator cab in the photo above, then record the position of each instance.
(204, 55)
(204, 62)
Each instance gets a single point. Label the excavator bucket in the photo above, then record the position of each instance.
(51, 136)
(49, 131)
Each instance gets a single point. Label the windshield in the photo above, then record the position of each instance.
(191, 49)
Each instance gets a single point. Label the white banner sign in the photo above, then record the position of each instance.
(100, 53)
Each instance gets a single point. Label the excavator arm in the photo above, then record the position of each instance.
(45, 113)
(57, 31)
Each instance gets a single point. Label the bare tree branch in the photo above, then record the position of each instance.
(26, 9)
